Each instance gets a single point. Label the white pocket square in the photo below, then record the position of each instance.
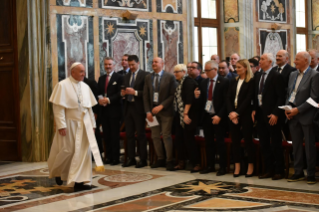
(114, 83)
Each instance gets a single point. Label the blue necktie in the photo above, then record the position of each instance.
(130, 97)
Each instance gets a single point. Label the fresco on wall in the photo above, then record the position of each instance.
(272, 11)
(231, 11)
(272, 41)
(315, 42)
(118, 37)
(170, 43)
(231, 35)
(139, 5)
(75, 44)
(75, 3)
(315, 15)
(169, 6)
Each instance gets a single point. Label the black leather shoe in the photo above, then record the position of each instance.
(141, 163)
(277, 177)
(131, 162)
(249, 175)
(107, 161)
(296, 177)
(159, 163)
(236, 175)
(311, 180)
(170, 166)
(115, 162)
(207, 170)
(58, 180)
(81, 186)
(265, 176)
(221, 172)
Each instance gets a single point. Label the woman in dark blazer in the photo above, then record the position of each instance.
(186, 118)
(239, 105)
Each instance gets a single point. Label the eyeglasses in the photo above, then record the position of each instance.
(209, 69)
(176, 72)
(191, 67)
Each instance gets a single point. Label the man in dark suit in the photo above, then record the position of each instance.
(159, 90)
(110, 110)
(283, 67)
(125, 66)
(233, 60)
(314, 59)
(223, 70)
(194, 71)
(254, 65)
(269, 94)
(94, 87)
(134, 114)
(213, 93)
(303, 84)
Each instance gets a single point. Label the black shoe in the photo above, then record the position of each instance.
(107, 161)
(249, 175)
(170, 166)
(159, 163)
(115, 162)
(264, 176)
(81, 186)
(131, 162)
(221, 172)
(236, 175)
(197, 168)
(58, 180)
(207, 170)
(311, 180)
(141, 164)
(278, 177)
(296, 177)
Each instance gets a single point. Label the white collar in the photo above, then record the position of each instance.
(73, 80)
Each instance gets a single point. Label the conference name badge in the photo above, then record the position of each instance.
(208, 106)
(292, 97)
(260, 101)
(155, 99)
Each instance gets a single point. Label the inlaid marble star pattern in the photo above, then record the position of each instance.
(110, 28)
(207, 188)
(142, 31)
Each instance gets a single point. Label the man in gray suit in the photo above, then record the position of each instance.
(159, 90)
(303, 84)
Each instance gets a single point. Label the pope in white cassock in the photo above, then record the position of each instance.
(74, 140)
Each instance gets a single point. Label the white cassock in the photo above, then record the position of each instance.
(70, 155)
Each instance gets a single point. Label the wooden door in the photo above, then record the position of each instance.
(9, 84)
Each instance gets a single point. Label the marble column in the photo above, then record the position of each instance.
(35, 79)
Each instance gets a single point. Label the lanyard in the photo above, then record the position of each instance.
(159, 83)
(300, 80)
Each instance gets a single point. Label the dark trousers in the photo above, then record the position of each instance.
(270, 139)
(211, 131)
(111, 134)
(245, 128)
(98, 134)
(135, 122)
(185, 141)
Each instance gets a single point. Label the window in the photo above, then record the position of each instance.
(206, 30)
(302, 26)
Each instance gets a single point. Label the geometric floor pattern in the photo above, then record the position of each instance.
(136, 190)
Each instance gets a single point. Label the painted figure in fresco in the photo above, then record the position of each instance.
(273, 43)
(74, 140)
(170, 35)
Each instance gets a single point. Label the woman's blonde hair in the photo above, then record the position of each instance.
(180, 67)
(249, 73)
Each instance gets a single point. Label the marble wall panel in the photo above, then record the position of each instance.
(75, 43)
(315, 15)
(231, 11)
(119, 37)
(75, 3)
(170, 43)
(139, 5)
(272, 41)
(231, 37)
(169, 6)
(315, 41)
(272, 11)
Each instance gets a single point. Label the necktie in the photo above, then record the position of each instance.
(130, 97)
(279, 70)
(261, 85)
(156, 83)
(106, 84)
(210, 90)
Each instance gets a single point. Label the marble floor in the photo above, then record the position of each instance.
(25, 187)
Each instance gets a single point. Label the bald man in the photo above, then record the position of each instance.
(158, 96)
(215, 58)
(314, 59)
(233, 60)
(283, 67)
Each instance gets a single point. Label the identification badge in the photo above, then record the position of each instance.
(260, 97)
(105, 95)
(292, 97)
(208, 106)
(155, 97)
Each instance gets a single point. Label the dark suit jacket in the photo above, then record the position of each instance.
(286, 73)
(199, 79)
(189, 85)
(273, 95)
(122, 72)
(245, 96)
(94, 88)
(231, 75)
(219, 96)
(114, 109)
(139, 87)
(166, 93)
